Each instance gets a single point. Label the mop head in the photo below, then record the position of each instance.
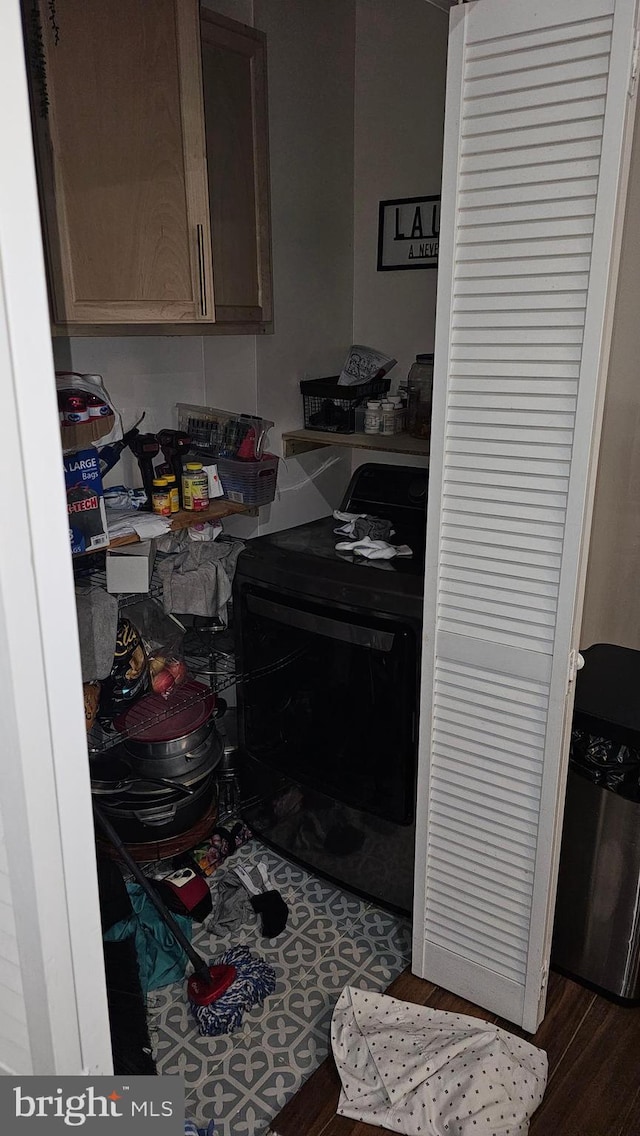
(254, 980)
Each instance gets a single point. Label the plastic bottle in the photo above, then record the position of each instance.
(420, 384)
(388, 417)
(195, 487)
(403, 395)
(372, 418)
(97, 407)
(160, 497)
(399, 412)
(76, 409)
(172, 486)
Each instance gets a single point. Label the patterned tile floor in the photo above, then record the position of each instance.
(242, 1080)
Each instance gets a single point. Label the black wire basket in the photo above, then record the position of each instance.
(331, 408)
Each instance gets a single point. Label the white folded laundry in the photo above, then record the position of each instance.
(123, 522)
(148, 525)
(373, 549)
(338, 516)
(427, 1072)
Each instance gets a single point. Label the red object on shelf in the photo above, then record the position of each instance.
(221, 978)
(247, 448)
(158, 719)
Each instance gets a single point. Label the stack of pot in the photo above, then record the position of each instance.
(159, 782)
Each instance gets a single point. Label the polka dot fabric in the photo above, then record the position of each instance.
(426, 1072)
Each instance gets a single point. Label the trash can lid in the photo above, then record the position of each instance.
(608, 686)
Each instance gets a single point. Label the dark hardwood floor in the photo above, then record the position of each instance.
(593, 1047)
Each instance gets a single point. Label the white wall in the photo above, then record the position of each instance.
(401, 51)
(311, 50)
(612, 605)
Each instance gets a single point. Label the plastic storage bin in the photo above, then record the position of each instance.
(249, 482)
(331, 408)
(220, 433)
(597, 921)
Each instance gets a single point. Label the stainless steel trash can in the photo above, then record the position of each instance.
(597, 928)
(597, 921)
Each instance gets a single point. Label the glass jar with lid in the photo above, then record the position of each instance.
(420, 395)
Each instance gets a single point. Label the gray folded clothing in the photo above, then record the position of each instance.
(97, 630)
(198, 580)
(377, 528)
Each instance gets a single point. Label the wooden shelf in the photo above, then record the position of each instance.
(183, 520)
(301, 441)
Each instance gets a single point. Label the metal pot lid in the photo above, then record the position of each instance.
(112, 774)
(142, 788)
(125, 803)
(147, 753)
(157, 719)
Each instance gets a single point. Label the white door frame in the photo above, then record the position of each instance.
(44, 777)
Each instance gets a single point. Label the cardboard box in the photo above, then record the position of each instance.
(85, 503)
(129, 569)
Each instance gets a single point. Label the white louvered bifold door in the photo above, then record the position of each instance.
(536, 154)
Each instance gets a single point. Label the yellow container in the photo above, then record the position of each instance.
(161, 497)
(195, 487)
(172, 486)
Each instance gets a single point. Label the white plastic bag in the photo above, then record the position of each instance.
(363, 364)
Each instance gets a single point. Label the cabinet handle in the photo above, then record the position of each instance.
(201, 272)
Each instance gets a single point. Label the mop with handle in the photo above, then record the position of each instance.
(219, 992)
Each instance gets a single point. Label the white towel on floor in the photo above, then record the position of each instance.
(427, 1072)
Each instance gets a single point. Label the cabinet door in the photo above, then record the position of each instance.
(235, 105)
(124, 179)
(540, 102)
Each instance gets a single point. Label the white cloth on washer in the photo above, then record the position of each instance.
(427, 1072)
(373, 549)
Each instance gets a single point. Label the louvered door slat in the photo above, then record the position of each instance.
(523, 323)
(453, 882)
(508, 117)
(520, 53)
(537, 111)
(541, 137)
(502, 865)
(562, 72)
(518, 250)
(521, 157)
(548, 95)
(496, 336)
(502, 267)
(529, 192)
(541, 172)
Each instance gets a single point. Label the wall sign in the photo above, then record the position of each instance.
(408, 233)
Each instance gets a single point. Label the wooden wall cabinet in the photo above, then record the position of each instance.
(234, 66)
(151, 135)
